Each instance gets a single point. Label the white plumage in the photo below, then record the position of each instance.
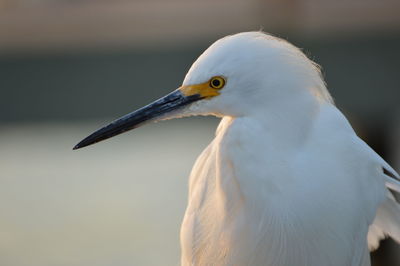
(286, 181)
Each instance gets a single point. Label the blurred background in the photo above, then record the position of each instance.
(70, 66)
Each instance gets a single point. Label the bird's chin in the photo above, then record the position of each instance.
(179, 113)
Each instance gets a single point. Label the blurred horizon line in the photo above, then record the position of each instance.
(45, 26)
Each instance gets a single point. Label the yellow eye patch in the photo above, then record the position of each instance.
(205, 90)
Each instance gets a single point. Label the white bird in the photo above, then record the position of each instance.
(286, 181)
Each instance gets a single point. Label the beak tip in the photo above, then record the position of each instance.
(77, 146)
(80, 145)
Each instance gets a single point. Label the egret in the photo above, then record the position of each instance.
(286, 181)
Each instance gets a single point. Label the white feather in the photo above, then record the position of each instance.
(286, 181)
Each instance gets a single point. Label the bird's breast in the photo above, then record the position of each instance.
(233, 194)
(251, 203)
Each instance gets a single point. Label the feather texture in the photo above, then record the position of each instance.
(286, 181)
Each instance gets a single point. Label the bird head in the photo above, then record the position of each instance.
(236, 76)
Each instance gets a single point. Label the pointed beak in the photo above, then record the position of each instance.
(174, 101)
(161, 107)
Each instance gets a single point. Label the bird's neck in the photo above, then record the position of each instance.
(283, 125)
(269, 141)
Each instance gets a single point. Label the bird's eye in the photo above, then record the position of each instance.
(217, 82)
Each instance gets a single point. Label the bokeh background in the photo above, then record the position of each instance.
(70, 66)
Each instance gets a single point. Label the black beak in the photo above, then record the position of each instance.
(173, 101)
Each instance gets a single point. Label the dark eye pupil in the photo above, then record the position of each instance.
(216, 83)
